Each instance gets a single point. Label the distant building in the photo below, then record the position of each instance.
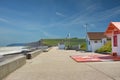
(113, 31)
(61, 45)
(95, 40)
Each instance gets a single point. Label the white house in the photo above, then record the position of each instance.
(95, 40)
(61, 45)
(113, 31)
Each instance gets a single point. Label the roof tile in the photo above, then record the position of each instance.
(96, 35)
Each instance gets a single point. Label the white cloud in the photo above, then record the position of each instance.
(4, 20)
(60, 14)
(79, 18)
(91, 16)
(108, 13)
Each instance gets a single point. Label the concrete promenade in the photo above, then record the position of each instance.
(57, 65)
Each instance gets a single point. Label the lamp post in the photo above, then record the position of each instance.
(68, 38)
(86, 25)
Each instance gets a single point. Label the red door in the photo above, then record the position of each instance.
(115, 40)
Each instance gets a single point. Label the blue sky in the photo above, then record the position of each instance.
(31, 20)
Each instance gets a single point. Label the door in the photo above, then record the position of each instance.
(115, 41)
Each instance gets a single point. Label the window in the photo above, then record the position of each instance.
(95, 41)
(104, 42)
(89, 42)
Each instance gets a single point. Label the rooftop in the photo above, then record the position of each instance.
(96, 35)
(113, 26)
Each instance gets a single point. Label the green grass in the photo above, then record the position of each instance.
(70, 42)
(76, 42)
(52, 42)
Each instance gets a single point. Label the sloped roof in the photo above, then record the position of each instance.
(96, 35)
(113, 26)
(117, 24)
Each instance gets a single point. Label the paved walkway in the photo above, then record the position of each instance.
(57, 65)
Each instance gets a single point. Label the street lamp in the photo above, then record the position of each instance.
(68, 37)
(86, 25)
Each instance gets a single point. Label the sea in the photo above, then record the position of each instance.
(11, 50)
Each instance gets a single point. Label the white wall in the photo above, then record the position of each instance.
(94, 46)
(61, 46)
(87, 42)
(116, 49)
(104, 40)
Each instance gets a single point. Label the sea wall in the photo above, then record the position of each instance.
(10, 65)
(33, 54)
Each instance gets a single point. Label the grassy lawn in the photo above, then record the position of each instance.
(71, 41)
(75, 42)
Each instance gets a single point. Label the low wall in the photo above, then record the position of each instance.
(33, 54)
(10, 65)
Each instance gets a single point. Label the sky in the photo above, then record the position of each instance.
(23, 21)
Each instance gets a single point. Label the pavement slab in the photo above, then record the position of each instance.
(57, 65)
(110, 69)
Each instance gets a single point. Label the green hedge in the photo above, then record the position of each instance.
(83, 46)
(105, 49)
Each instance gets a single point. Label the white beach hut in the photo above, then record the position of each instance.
(113, 31)
(61, 45)
(95, 40)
